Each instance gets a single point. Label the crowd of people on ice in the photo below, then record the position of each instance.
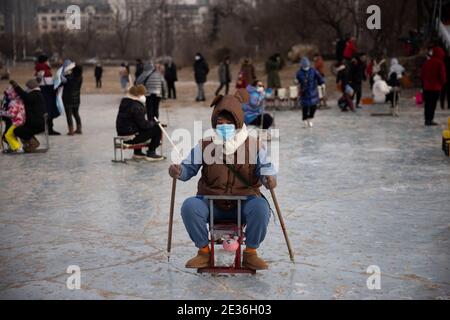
(27, 111)
(61, 91)
(354, 67)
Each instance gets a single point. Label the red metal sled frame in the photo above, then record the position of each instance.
(232, 228)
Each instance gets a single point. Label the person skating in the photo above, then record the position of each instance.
(201, 70)
(98, 73)
(231, 138)
(309, 80)
(224, 76)
(44, 76)
(433, 75)
(131, 122)
(171, 77)
(35, 109)
(71, 99)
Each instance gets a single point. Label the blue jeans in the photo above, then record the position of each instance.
(255, 214)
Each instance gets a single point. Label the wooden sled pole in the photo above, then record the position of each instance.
(283, 226)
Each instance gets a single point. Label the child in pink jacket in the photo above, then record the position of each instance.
(15, 111)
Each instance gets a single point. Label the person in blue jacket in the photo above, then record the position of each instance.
(254, 109)
(309, 79)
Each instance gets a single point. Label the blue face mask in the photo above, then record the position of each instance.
(226, 131)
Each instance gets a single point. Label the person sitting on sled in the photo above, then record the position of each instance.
(131, 122)
(236, 170)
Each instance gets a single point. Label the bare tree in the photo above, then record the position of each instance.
(124, 21)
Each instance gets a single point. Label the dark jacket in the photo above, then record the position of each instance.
(72, 91)
(273, 68)
(433, 74)
(340, 47)
(35, 108)
(224, 73)
(171, 72)
(357, 72)
(139, 70)
(131, 118)
(201, 70)
(98, 72)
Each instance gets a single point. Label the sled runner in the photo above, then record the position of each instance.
(120, 147)
(395, 111)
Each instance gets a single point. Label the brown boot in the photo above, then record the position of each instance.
(79, 130)
(252, 261)
(202, 260)
(71, 131)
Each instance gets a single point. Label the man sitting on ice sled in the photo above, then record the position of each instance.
(233, 164)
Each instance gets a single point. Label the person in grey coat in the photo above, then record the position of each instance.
(224, 76)
(155, 84)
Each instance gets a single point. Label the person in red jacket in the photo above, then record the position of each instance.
(350, 49)
(433, 77)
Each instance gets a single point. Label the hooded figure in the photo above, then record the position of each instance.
(231, 164)
(433, 77)
(309, 80)
(131, 123)
(396, 68)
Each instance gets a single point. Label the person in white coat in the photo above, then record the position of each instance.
(380, 89)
